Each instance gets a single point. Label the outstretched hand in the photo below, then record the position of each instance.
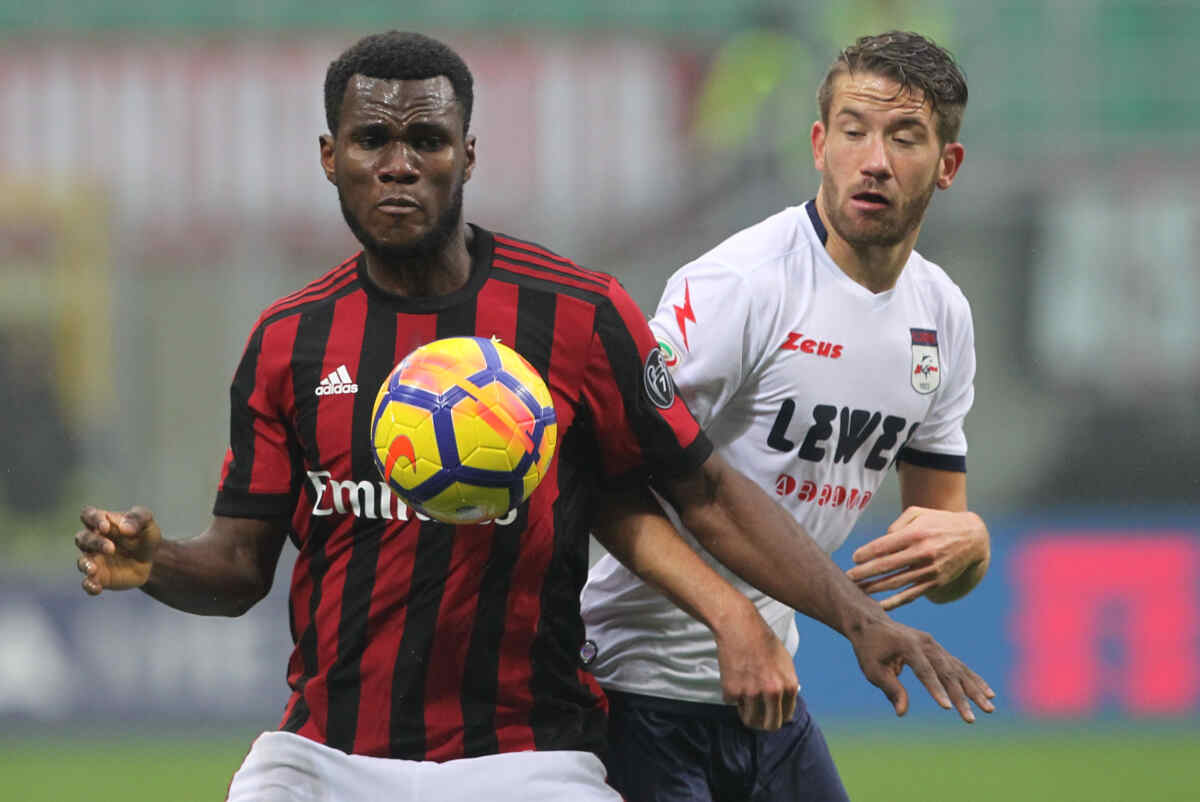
(757, 673)
(925, 551)
(117, 548)
(884, 647)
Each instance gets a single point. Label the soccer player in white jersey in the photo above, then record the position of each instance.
(817, 348)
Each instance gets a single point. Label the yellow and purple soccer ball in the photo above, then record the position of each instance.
(463, 429)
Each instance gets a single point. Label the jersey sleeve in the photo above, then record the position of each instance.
(259, 475)
(713, 321)
(642, 425)
(941, 441)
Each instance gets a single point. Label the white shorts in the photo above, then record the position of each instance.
(284, 767)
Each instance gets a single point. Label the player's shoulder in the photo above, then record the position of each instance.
(326, 288)
(771, 242)
(936, 286)
(763, 255)
(531, 262)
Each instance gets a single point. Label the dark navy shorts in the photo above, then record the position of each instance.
(665, 750)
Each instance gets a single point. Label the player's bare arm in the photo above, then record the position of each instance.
(746, 530)
(223, 571)
(757, 673)
(936, 548)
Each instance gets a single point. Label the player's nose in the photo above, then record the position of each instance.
(876, 163)
(400, 164)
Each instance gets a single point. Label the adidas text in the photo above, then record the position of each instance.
(337, 383)
(337, 389)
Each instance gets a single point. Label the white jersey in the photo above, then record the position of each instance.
(812, 386)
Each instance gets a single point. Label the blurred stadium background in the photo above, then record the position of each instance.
(159, 185)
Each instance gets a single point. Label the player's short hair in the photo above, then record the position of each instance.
(914, 62)
(397, 56)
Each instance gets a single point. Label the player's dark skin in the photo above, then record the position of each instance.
(399, 160)
(401, 144)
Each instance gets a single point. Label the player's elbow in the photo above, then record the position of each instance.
(248, 593)
(241, 605)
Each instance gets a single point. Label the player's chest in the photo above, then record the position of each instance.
(851, 374)
(861, 347)
(335, 389)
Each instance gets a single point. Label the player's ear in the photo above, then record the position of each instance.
(469, 149)
(818, 145)
(326, 143)
(952, 159)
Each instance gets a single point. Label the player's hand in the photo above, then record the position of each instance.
(757, 673)
(925, 551)
(884, 647)
(117, 548)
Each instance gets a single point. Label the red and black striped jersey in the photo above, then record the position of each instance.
(416, 639)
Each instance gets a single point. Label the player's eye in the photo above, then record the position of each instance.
(426, 137)
(371, 137)
(429, 143)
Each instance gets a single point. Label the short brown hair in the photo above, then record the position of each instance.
(914, 62)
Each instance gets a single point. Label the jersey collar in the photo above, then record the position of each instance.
(817, 224)
(822, 256)
(482, 245)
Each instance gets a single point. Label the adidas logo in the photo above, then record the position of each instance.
(337, 383)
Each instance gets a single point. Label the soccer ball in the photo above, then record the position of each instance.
(463, 429)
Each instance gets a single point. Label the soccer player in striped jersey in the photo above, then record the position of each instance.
(439, 662)
(816, 348)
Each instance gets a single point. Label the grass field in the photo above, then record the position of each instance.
(1062, 765)
(1058, 765)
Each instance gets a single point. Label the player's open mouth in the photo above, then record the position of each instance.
(872, 199)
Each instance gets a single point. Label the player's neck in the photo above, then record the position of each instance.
(876, 267)
(438, 273)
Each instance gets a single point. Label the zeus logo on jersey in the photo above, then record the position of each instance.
(348, 497)
(855, 427)
(798, 342)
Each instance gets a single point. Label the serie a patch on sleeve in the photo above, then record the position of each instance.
(660, 387)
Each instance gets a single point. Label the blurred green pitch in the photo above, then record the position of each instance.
(1155, 764)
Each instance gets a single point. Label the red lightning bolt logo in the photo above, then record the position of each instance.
(685, 313)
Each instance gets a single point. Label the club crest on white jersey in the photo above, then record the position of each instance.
(926, 369)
